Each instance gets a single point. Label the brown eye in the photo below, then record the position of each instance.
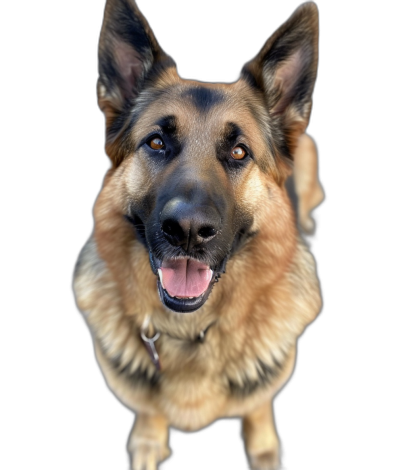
(156, 143)
(238, 153)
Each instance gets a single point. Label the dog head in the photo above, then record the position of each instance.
(199, 169)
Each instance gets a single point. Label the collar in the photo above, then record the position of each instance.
(149, 342)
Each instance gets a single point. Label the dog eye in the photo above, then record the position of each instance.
(238, 153)
(156, 143)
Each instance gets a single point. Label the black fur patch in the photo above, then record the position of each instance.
(136, 221)
(304, 89)
(281, 51)
(232, 133)
(250, 79)
(107, 68)
(138, 378)
(242, 237)
(167, 124)
(141, 378)
(117, 125)
(266, 374)
(131, 29)
(291, 190)
(203, 98)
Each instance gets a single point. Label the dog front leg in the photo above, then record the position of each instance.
(261, 440)
(148, 442)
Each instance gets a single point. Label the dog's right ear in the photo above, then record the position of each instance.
(285, 71)
(128, 53)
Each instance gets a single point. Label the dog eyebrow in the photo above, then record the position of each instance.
(168, 124)
(231, 133)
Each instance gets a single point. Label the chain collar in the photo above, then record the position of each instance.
(150, 342)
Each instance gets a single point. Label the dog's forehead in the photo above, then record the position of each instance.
(201, 109)
(202, 98)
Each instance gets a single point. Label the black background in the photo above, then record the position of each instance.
(318, 414)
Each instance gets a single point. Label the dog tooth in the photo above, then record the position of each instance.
(160, 276)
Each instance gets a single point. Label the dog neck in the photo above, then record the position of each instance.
(149, 336)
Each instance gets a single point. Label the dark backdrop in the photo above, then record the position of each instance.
(317, 413)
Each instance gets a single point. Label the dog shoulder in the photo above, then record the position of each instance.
(90, 275)
(304, 286)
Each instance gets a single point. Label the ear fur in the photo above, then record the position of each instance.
(285, 71)
(128, 53)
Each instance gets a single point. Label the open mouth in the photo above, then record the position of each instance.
(184, 284)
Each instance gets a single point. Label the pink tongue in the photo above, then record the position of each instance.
(185, 277)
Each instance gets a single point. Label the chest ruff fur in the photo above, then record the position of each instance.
(248, 353)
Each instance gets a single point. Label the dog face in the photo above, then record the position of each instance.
(199, 169)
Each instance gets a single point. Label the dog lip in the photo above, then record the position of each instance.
(155, 263)
(183, 305)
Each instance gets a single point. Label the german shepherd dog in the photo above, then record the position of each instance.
(196, 282)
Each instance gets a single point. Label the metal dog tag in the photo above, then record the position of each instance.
(151, 349)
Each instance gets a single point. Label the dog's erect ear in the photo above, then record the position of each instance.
(128, 53)
(285, 70)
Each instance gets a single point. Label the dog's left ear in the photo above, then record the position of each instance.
(129, 55)
(285, 70)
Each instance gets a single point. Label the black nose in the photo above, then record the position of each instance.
(187, 225)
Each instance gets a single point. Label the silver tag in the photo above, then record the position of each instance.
(151, 348)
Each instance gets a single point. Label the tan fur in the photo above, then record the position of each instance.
(307, 184)
(262, 443)
(269, 294)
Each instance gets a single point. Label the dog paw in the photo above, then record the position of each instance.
(268, 460)
(147, 455)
